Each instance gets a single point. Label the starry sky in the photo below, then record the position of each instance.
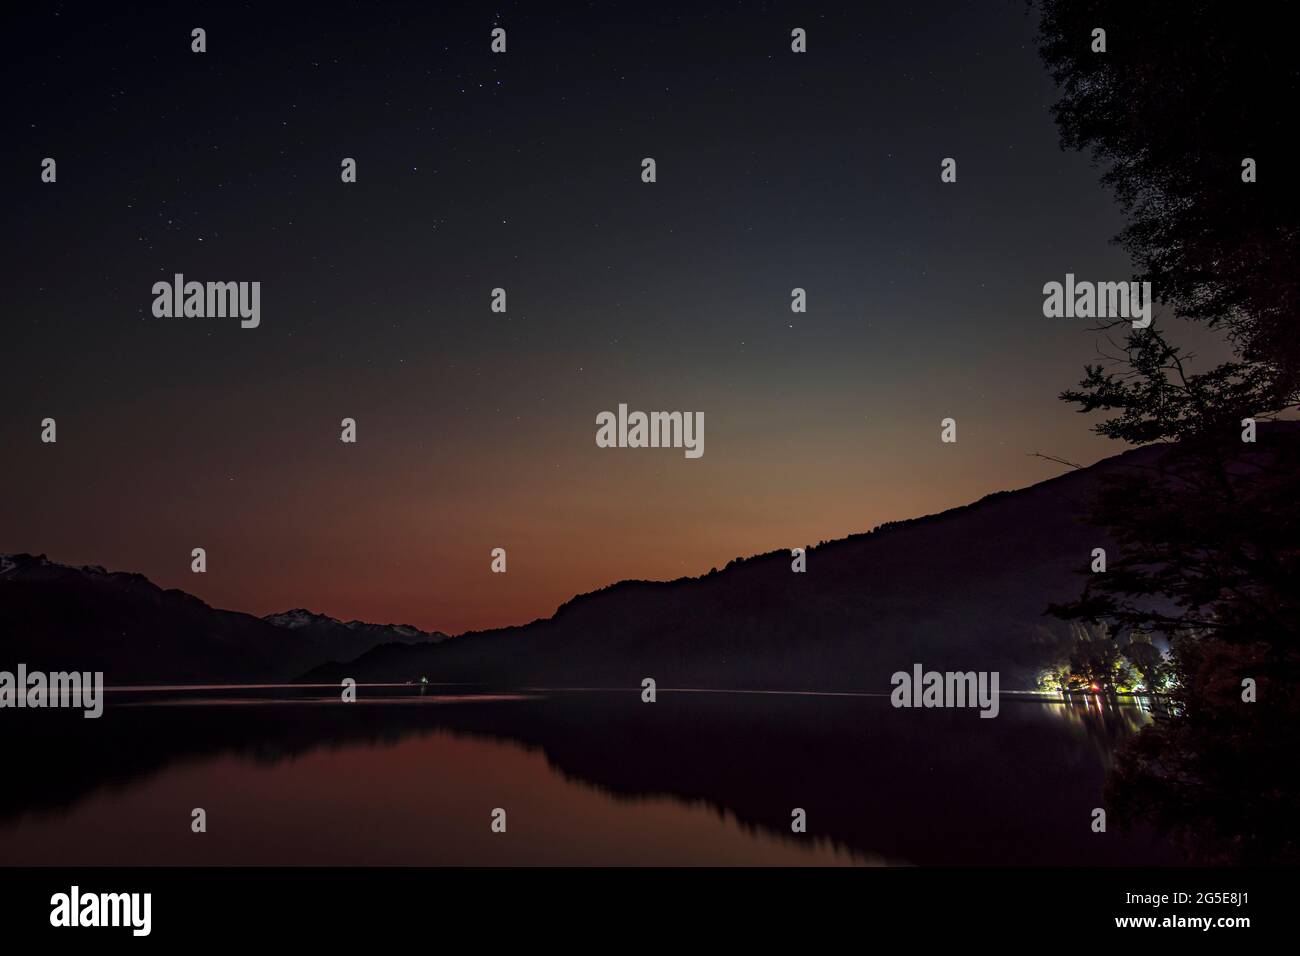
(522, 171)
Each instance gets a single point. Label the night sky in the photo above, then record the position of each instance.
(476, 170)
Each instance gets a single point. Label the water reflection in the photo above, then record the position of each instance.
(410, 775)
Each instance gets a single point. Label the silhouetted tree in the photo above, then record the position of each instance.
(1209, 538)
(1184, 93)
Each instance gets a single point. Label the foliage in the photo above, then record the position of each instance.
(1208, 535)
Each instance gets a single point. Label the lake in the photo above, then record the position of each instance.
(409, 776)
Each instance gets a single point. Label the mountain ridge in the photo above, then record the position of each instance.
(743, 627)
(960, 589)
(56, 616)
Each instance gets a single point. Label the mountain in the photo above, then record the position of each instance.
(964, 589)
(331, 639)
(58, 617)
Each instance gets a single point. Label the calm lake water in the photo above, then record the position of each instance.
(291, 775)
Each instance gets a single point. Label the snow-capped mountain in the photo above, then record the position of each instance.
(63, 617)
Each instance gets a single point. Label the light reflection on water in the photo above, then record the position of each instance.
(409, 775)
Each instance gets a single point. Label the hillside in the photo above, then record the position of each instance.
(964, 589)
(58, 617)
